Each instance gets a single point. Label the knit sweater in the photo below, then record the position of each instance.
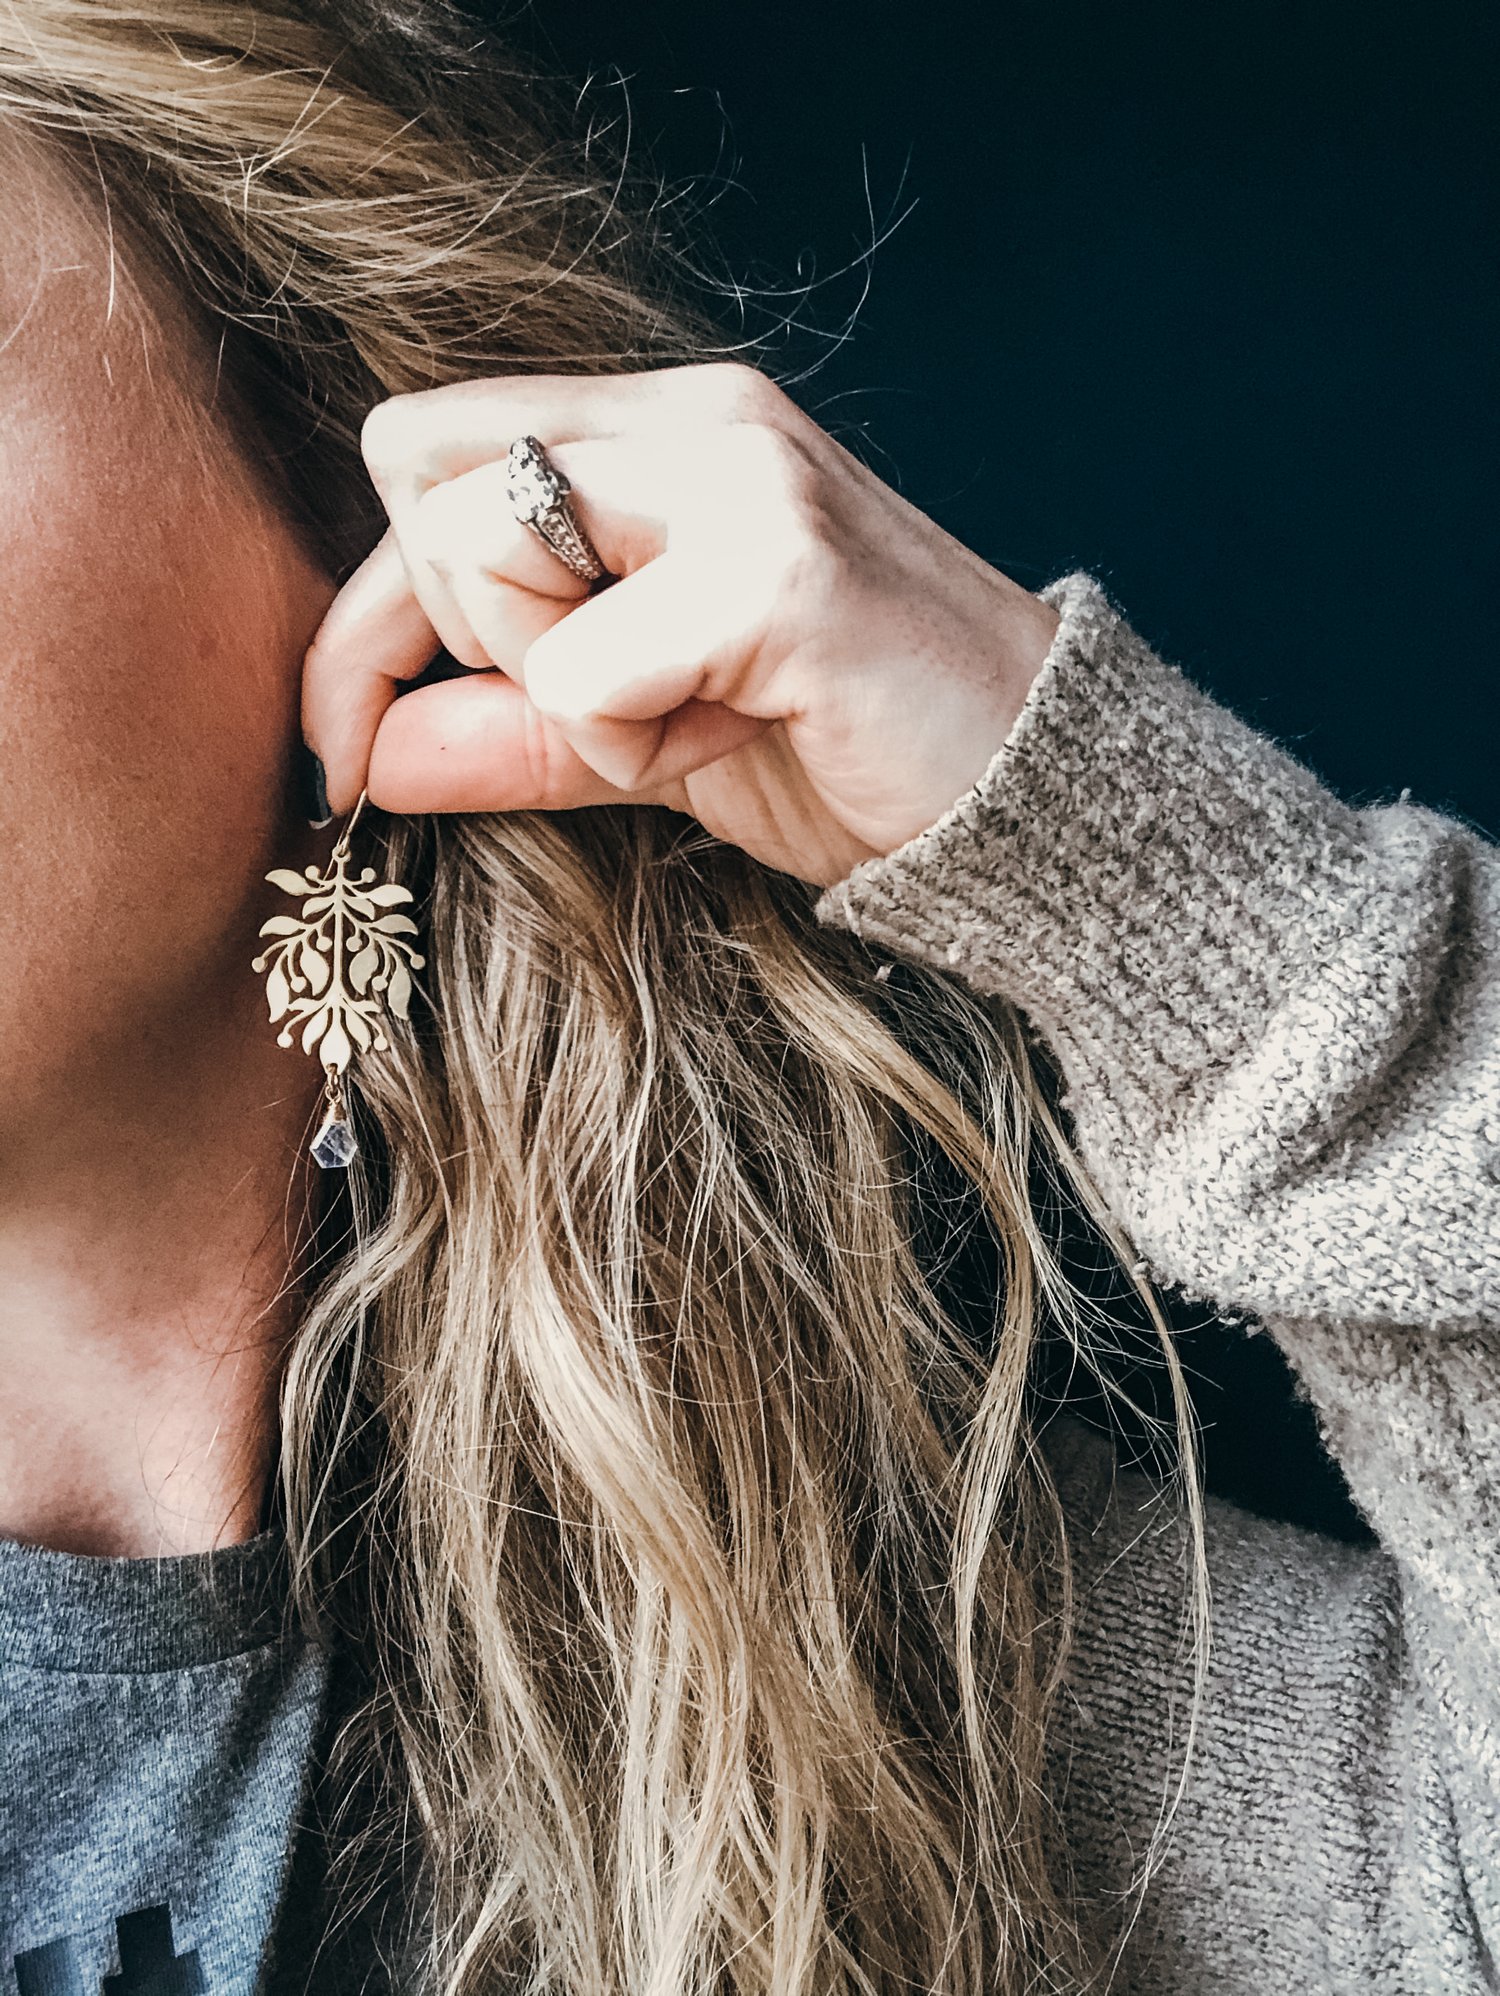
(1278, 1028)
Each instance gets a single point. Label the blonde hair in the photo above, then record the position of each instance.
(709, 1589)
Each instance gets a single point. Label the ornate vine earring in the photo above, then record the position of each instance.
(336, 967)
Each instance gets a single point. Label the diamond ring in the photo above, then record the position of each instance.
(538, 493)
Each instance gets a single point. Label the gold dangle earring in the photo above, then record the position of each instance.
(336, 967)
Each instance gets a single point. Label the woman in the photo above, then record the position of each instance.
(578, 1547)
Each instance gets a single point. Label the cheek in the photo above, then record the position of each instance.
(149, 685)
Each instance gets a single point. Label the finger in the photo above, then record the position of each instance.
(374, 635)
(416, 446)
(614, 672)
(507, 585)
(488, 581)
(438, 433)
(479, 745)
(416, 442)
(465, 534)
(431, 591)
(643, 757)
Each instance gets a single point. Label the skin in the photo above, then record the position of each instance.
(793, 654)
(154, 614)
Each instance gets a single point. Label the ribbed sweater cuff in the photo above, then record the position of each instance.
(1145, 875)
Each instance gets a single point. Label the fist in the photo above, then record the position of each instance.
(793, 654)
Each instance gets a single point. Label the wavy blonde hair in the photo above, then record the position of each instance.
(708, 1588)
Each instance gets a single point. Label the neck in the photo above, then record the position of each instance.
(149, 1244)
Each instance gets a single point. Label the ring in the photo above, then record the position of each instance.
(538, 493)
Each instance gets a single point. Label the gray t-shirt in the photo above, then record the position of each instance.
(160, 1726)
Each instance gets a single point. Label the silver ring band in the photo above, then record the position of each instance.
(538, 493)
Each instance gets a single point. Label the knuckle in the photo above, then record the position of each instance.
(383, 434)
(552, 687)
(773, 470)
(735, 391)
(815, 582)
(433, 524)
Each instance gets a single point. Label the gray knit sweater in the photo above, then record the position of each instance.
(1279, 1030)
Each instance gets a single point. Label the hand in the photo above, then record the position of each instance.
(795, 655)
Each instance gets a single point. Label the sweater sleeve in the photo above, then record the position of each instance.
(1277, 1019)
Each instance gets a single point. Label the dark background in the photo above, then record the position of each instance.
(1198, 296)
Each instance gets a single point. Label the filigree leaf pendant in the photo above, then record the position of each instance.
(334, 969)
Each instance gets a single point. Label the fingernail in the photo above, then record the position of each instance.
(312, 787)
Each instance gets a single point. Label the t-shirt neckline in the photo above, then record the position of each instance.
(89, 1612)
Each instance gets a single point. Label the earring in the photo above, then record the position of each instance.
(336, 967)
